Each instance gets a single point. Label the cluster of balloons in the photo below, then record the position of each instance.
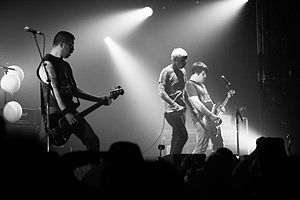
(10, 83)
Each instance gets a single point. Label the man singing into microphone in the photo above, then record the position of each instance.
(64, 93)
(201, 107)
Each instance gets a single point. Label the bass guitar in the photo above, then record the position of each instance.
(61, 130)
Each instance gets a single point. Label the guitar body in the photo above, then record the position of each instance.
(210, 125)
(214, 126)
(60, 130)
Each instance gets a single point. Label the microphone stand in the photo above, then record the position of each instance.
(237, 116)
(46, 120)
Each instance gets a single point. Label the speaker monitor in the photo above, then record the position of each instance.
(30, 130)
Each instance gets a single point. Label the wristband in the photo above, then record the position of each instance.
(65, 111)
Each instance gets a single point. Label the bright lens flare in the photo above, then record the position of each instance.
(147, 11)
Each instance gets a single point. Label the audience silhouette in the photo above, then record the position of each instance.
(267, 172)
(28, 170)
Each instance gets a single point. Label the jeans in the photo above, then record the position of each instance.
(203, 137)
(179, 132)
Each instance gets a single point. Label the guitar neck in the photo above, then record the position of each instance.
(89, 109)
(113, 95)
(225, 101)
(223, 104)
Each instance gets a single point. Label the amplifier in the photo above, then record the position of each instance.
(30, 117)
(27, 129)
(29, 123)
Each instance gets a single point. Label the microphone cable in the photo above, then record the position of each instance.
(159, 136)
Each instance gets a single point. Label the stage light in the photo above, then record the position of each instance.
(147, 11)
(116, 24)
(140, 15)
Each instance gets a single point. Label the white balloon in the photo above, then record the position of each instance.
(17, 70)
(12, 111)
(10, 83)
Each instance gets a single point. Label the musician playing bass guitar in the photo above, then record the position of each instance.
(202, 110)
(63, 92)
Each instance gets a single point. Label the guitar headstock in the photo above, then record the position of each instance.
(116, 92)
(230, 93)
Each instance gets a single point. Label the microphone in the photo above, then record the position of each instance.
(226, 81)
(27, 29)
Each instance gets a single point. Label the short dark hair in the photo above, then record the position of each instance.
(198, 67)
(63, 37)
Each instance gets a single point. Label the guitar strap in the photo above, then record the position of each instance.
(181, 83)
(179, 86)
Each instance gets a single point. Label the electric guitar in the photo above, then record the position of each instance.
(61, 130)
(218, 111)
